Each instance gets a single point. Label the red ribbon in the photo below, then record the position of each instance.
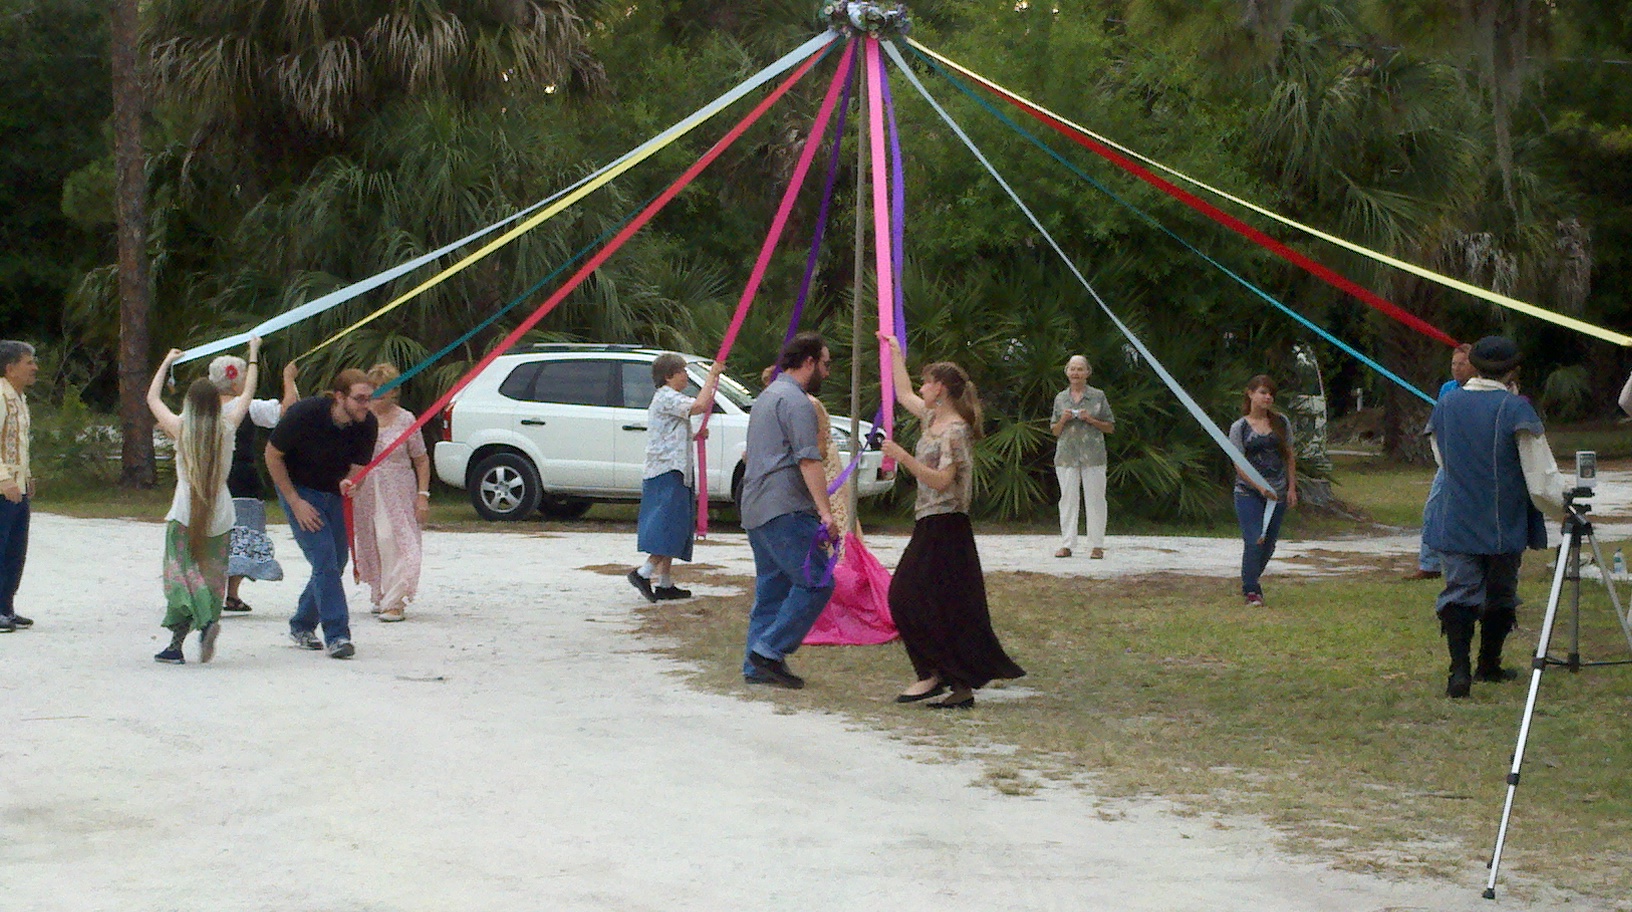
(1325, 274)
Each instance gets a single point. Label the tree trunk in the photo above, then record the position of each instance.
(1419, 360)
(130, 194)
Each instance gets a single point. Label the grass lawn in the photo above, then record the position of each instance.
(1324, 713)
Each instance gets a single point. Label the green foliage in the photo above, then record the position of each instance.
(73, 443)
(54, 80)
(298, 146)
(1567, 394)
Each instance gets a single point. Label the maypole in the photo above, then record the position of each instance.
(866, 21)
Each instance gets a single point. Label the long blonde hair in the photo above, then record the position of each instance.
(199, 449)
(965, 398)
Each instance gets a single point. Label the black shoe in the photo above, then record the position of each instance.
(341, 649)
(7, 625)
(306, 639)
(171, 656)
(1494, 675)
(19, 621)
(965, 703)
(1458, 684)
(643, 584)
(235, 604)
(669, 593)
(776, 670)
(935, 691)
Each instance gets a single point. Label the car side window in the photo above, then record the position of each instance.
(574, 383)
(637, 385)
(519, 385)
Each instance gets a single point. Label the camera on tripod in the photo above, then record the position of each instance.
(1586, 480)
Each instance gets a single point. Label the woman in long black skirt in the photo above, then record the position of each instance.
(938, 595)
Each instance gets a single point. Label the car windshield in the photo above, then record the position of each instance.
(730, 390)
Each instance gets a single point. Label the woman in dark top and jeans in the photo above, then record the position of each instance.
(1264, 436)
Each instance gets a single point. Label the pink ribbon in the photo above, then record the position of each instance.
(882, 259)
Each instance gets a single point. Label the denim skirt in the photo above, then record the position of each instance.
(668, 516)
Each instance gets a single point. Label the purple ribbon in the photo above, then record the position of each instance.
(898, 214)
(828, 558)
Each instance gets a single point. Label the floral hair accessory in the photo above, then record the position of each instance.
(231, 371)
(858, 17)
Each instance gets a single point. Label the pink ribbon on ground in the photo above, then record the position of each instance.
(766, 250)
(884, 262)
(594, 262)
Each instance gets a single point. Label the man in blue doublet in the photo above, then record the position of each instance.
(1499, 471)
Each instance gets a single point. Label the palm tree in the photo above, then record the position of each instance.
(288, 80)
(129, 103)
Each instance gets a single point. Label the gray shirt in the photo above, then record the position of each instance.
(781, 432)
(1080, 443)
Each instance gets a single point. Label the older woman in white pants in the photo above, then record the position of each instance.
(1081, 419)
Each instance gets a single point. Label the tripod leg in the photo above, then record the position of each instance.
(1614, 599)
(1536, 667)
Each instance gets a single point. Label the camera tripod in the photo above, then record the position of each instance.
(1577, 529)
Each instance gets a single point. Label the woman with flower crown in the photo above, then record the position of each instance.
(249, 548)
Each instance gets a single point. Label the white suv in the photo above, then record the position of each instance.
(556, 427)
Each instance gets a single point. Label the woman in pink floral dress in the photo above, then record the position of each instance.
(392, 504)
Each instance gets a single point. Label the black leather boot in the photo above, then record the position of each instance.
(1493, 630)
(1458, 630)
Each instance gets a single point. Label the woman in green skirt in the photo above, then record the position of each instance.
(201, 514)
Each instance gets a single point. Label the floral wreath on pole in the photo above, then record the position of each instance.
(862, 17)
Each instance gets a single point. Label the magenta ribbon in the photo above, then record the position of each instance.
(789, 197)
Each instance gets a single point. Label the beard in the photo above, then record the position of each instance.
(813, 386)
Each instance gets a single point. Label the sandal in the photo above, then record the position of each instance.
(1097, 554)
(234, 604)
(392, 614)
(1063, 552)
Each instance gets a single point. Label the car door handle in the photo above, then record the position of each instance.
(539, 422)
(634, 427)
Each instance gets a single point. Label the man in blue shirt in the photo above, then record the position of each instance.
(1498, 471)
(1427, 559)
(784, 508)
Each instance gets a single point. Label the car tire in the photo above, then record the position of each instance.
(563, 507)
(505, 487)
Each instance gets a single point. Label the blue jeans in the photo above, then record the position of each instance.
(13, 550)
(1255, 555)
(786, 602)
(1428, 558)
(324, 597)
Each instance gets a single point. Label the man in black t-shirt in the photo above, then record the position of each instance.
(318, 444)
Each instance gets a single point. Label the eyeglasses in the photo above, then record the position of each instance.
(361, 398)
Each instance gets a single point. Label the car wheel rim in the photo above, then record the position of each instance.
(502, 490)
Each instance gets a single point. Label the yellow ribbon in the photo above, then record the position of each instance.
(1491, 296)
(623, 164)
